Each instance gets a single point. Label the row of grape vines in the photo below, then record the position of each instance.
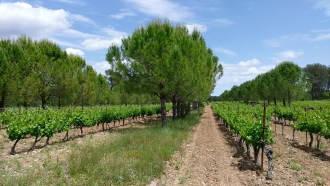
(38, 123)
(313, 118)
(245, 121)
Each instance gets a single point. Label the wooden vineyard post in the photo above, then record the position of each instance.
(306, 130)
(263, 137)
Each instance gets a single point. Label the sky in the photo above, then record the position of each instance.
(250, 37)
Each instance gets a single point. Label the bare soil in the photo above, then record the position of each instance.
(24, 145)
(58, 150)
(209, 158)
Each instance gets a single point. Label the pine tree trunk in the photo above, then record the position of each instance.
(59, 102)
(2, 101)
(43, 102)
(174, 108)
(289, 98)
(163, 109)
(188, 108)
(178, 108)
(183, 109)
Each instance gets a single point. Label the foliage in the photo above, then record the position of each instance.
(245, 120)
(45, 123)
(285, 82)
(40, 73)
(308, 116)
(127, 157)
(318, 76)
(165, 61)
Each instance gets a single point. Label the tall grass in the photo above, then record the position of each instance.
(135, 157)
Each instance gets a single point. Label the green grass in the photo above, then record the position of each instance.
(294, 165)
(135, 158)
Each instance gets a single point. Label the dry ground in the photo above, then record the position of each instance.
(208, 159)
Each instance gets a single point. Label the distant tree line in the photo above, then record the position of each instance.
(284, 83)
(41, 74)
(318, 77)
(165, 61)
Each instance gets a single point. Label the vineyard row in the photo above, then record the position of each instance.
(45, 123)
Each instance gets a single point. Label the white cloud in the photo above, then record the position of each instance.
(73, 2)
(286, 39)
(124, 13)
(64, 43)
(114, 33)
(22, 18)
(223, 22)
(322, 37)
(199, 27)
(38, 22)
(80, 18)
(74, 51)
(324, 5)
(75, 34)
(101, 67)
(312, 36)
(99, 43)
(250, 62)
(290, 55)
(103, 42)
(236, 74)
(225, 51)
(162, 9)
(23, 5)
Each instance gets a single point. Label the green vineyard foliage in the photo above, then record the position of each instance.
(45, 123)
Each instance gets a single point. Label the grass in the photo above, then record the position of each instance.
(136, 157)
(323, 145)
(294, 165)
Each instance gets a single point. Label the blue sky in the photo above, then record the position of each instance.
(249, 37)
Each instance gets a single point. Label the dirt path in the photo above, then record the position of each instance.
(205, 160)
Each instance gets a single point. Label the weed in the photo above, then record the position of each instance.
(295, 166)
(183, 179)
(302, 178)
(290, 151)
(317, 174)
(133, 157)
(323, 145)
(320, 182)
